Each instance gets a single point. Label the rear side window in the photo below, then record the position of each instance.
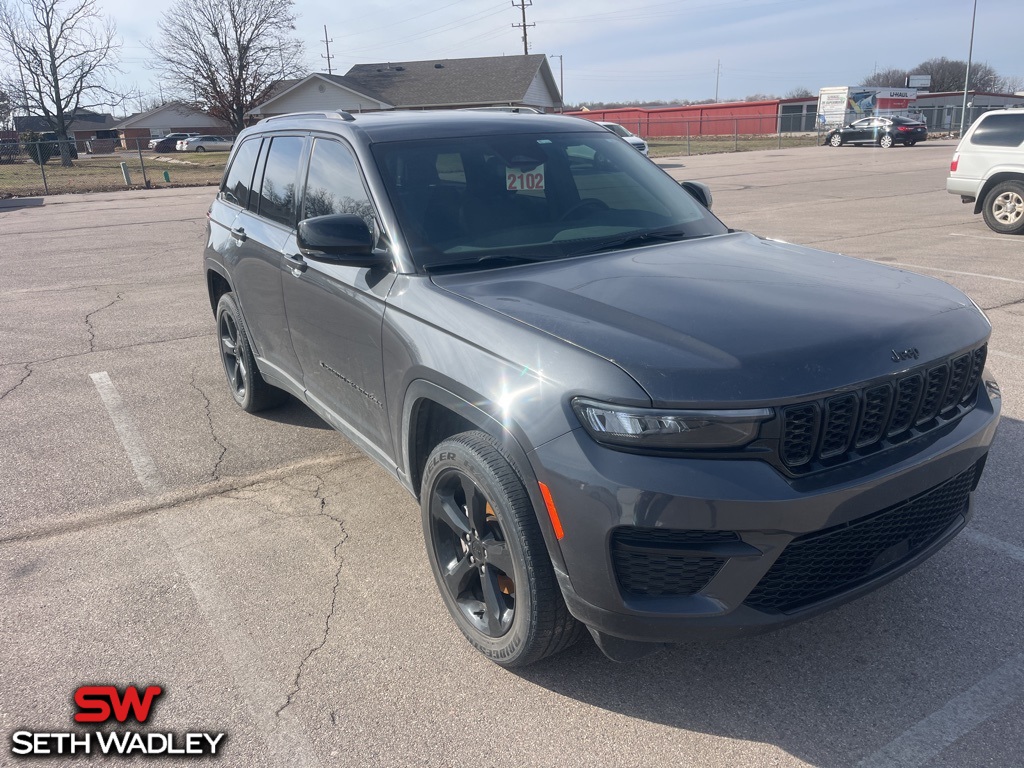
(1000, 131)
(280, 179)
(238, 181)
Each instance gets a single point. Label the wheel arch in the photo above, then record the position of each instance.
(217, 284)
(992, 181)
(432, 413)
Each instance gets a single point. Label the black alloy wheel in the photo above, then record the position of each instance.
(247, 386)
(488, 555)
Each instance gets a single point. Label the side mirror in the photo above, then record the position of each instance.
(339, 238)
(700, 192)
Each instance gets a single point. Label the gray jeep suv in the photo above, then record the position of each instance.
(616, 413)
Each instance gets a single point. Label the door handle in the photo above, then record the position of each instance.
(296, 262)
(238, 234)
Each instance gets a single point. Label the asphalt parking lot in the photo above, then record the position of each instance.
(273, 581)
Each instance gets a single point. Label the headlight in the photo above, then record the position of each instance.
(629, 427)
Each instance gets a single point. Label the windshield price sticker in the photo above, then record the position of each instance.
(518, 181)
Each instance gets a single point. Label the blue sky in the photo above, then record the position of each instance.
(643, 49)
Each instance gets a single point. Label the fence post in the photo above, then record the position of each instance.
(42, 168)
(736, 135)
(687, 138)
(138, 146)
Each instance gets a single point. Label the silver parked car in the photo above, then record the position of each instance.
(630, 138)
(988, 170)
(206, 144)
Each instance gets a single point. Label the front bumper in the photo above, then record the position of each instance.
(661, 549)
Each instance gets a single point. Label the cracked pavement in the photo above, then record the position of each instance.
(276, 586)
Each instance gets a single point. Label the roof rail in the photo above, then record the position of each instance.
(337, 114)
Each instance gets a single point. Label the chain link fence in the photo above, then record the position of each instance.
(54, 167)
(667, 137)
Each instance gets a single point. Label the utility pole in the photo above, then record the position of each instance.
(327, 43)
(523, 5)
(718, 75)
(561, 79)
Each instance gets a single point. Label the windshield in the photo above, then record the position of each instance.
(494, 200)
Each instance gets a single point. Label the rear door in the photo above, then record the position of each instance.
(260, 233)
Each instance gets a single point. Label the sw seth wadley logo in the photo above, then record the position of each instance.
(101, 703)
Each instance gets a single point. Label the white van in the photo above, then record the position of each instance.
(988, 169)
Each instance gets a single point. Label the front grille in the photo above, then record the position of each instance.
(821, 564)
(655, 561)
(831, 430)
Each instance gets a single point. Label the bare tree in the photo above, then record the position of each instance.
(1011, 84)
(799, 93)
(224, 56)
(949, 74)
(887, 78)
(5, 109)
(62, 52)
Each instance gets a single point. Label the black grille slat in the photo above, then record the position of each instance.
(799, 434)
(977, 368)
(840, 420)
(934, 392)
(819, 565)
(959, 373)
(877, 402)
(908, 397)
(656, 562)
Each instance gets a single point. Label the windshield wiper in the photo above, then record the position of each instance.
(634, 240)
(508, 258)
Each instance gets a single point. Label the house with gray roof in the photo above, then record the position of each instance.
(438, 84)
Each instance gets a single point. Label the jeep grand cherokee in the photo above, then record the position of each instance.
(616, 413)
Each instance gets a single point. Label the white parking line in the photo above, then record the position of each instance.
(143, 464)
(955, 272)
(984, 237)
(285, 739)
(1000, 546)
(1006, 354)
(924, 741)
(921, 743)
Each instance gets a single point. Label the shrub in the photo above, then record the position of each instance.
(39, 151)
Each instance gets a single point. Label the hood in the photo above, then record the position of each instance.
(734, 319)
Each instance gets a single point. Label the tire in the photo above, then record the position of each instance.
(200, 149)
(885, 142)
(488, 556)
(247, 386)
(836, 140)
(911, 143)
(1004, 208)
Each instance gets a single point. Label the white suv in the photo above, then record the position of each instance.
(988, 169)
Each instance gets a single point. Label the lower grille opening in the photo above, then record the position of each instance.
(825, 563)
(660, 562)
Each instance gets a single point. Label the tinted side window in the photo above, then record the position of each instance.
(280, 179)
(334, 184)
(1000, 131)
(238, 181)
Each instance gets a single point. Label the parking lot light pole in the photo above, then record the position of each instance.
(967, 77)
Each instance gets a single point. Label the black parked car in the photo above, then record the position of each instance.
(168, 144)
(883, 131)
(615, 412)
(54, 140)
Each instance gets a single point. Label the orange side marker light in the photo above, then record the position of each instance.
(556, 524)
